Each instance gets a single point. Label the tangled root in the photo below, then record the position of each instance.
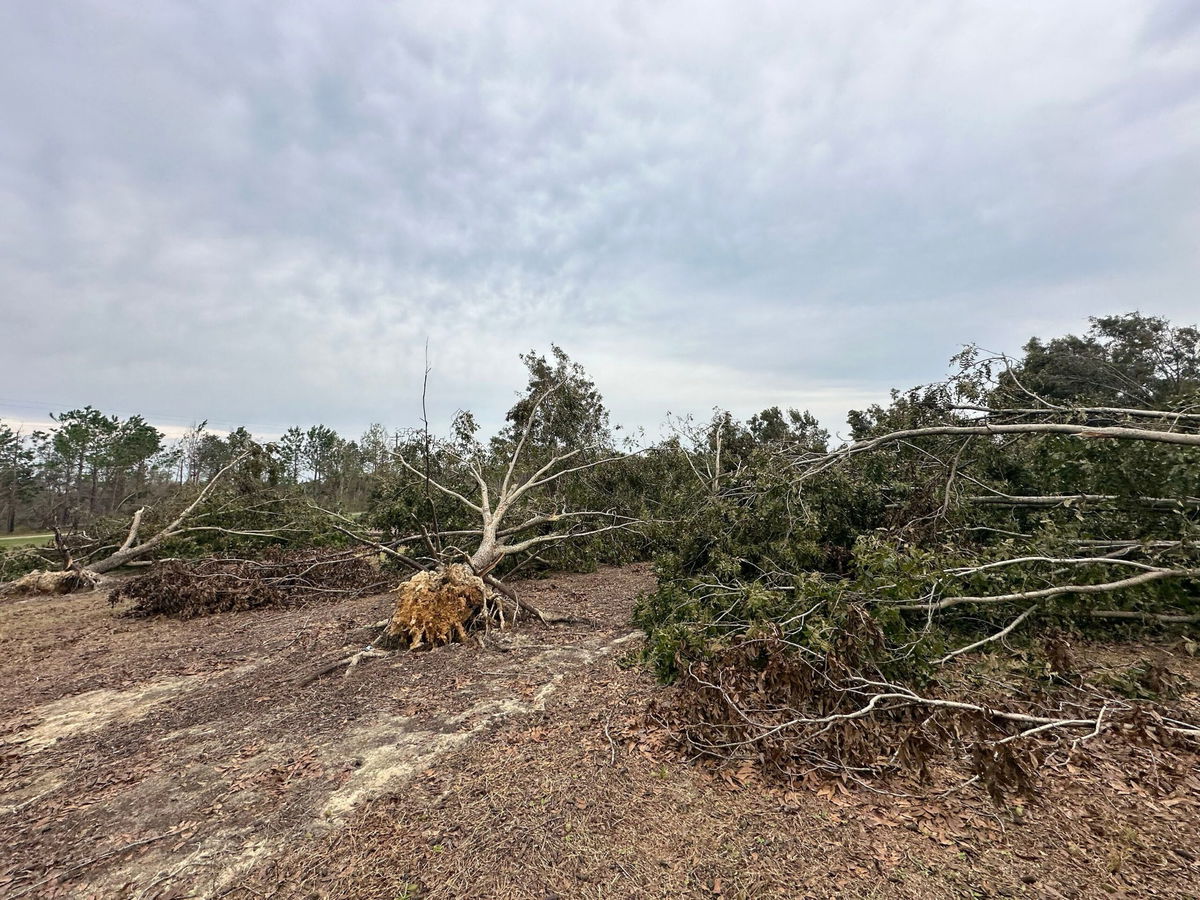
(42, 582)
(435, 607)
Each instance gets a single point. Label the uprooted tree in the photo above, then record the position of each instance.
(474, 510)
(83, 569)
(917, 592)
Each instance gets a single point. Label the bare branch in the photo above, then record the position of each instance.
(1052, 500)
(126, 554)
(1165, 618)
(1085, 410)
(265, 533)
(366, 541)
(1051, 560)
(515, 494)
(131, 538)
(823, 461)
(1057, 591)
(509, 549)
(441, 487)
(425, 427)
(529, 485)
(554, 517)
(512, 463)
(999, 635)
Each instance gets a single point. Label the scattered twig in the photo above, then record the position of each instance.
(72, 869)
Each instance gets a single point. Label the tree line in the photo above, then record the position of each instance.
(91, 464)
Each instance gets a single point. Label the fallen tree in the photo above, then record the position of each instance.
(77, 574)
(915, 592)
(508, 499)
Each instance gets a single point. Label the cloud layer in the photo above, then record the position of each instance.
(258, 212)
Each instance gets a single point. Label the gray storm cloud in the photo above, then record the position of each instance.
(258, 213)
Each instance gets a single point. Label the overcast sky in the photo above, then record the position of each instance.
(257, 212)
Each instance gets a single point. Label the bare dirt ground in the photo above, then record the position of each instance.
(164, 759)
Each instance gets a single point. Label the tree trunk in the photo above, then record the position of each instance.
(488, 554)
(121, 557)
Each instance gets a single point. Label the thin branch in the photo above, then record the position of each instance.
(265, 533)
(515, 494)
(509, 549)
(554, 517)
(425, 423)
(1052, 500)
(441, 487)
(1165, 618)
(382, 548)
(1051, 560)
(823, 461)
(1085, 410)
(1104, 588)
(125, 555)
(529, 485)
(999, 635)
(512, 463)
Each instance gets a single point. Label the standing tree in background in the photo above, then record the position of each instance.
(375, 447)
(132, 446)
(320, 451)
(1130, 360)
(17, 474)
(291, 453)
(81, 440)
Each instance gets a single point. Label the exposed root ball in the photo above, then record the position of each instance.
(41, 582)
(435, 607)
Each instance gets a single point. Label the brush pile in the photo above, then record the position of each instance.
(804, 717)
(188, 589)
